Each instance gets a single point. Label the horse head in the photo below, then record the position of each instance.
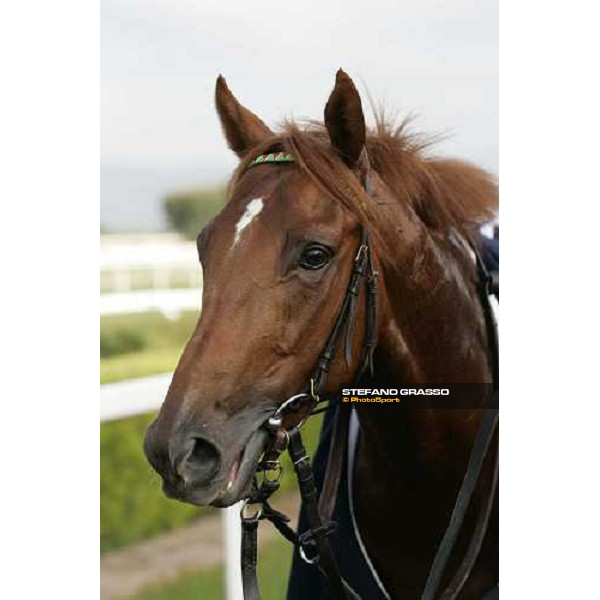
(276, 263)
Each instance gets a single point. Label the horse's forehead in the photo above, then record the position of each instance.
(284, 200)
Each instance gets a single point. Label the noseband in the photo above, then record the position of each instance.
(313, 544)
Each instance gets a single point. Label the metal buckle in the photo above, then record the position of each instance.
(252, 518)
(313, 394)
(362, 249)
(270, 467)
(301, 460)
(275, 421)
(306, 559)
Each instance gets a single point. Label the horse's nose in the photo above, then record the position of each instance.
(182, 457)
(197, 461)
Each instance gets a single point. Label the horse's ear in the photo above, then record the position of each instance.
(345, 121)
(243, 129)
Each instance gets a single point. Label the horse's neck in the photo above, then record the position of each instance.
(411, 461)
(433, 327)
(432, 331)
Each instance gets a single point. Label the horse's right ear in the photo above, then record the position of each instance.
(243, 129)
(345, 121)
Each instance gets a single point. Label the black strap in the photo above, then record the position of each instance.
(362, 268)
(485, 288)
(259, 497)
(335, 462)
(317, 534)
(249, 559)
(249, 544)
(366, 359)
(483, 440)
(462, 574)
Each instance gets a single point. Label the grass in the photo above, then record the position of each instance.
(138, 364)
(159, 331)
(274, 559)
(143, 344)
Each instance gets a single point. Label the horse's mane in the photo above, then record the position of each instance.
(445, 193)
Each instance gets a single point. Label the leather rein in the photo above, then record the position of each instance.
(313, 544)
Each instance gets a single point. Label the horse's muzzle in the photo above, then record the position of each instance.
(200, 470)
(188, 463)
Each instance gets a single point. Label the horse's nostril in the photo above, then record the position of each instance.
(201, 463)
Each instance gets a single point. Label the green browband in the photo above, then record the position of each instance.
(275, 157)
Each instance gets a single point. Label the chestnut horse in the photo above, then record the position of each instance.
(276, 263)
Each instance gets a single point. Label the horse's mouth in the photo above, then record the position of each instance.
(238, 483)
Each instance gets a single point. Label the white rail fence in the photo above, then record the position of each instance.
(156, 262)
(168, 302)
(139, 396)
(149, 273)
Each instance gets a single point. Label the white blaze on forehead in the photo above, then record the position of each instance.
(252, 211)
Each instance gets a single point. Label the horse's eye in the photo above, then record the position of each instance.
(314, 256)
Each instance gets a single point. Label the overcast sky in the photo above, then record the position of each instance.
(160, 59)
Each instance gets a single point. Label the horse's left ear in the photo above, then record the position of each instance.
(242, 128)
(345, 121)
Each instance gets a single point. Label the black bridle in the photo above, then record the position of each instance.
(313, 544)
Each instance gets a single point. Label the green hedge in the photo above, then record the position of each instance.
(132, 505)
(189, 211)
(142, 344)
(122, 334)
(121, 341)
